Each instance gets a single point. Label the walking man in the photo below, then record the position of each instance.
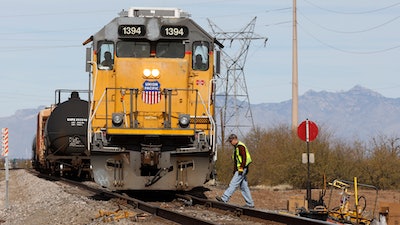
(241, 159)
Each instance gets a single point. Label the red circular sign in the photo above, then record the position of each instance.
(307, 130)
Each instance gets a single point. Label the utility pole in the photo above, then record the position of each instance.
(233, 103)
(295, 82)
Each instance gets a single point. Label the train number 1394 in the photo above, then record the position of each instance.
(174, 31)
(131, 30)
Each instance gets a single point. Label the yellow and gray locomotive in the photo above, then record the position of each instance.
(151, 122)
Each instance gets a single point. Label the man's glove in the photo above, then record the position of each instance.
(240, 170)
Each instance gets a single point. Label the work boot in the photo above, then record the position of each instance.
(219, 199)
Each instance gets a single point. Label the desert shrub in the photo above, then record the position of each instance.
(277, 159)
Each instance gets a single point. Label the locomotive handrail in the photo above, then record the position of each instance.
(91, 118)
(97, 107)
(135, 91)
(210, 89)
(210, 118)
(93, 84)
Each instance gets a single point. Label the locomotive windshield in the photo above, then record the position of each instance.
(170, 50)
(145, 49)
(133, 49)
(140, 49)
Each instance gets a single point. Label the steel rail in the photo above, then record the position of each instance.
(163, 213)
(284, 218)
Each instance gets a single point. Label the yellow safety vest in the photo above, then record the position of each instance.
(239, 157)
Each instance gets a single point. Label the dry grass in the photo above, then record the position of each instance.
(2, 175)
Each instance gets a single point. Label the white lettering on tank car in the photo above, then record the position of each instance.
(77, 122)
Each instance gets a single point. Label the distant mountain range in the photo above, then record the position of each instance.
(21, 128)
(358, 113)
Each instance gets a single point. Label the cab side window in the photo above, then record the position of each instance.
(105, 56)
(200, 57)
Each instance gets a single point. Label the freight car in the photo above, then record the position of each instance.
(60, 144)
(152, 125)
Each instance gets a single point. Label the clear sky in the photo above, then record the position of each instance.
(341, 44)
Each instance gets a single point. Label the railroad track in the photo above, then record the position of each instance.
(282, 218)
(183, 217)
(169, 215)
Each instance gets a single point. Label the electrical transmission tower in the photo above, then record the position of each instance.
(233, 105)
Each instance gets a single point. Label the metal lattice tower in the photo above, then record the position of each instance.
(233, 103)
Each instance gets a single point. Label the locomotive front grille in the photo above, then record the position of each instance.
(199, 120)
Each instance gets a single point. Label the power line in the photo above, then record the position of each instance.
(361, 12)
(350, 32)
(278, 23)
(348, 51)
(278, 9)
(57, 13)
(47, 31)
(36, 48)
(248, 13)
(38, 40)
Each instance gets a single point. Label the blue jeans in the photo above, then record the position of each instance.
(239, 180)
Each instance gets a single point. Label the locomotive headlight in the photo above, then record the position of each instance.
(117, 119)
(146, 72)
(184, 120)
(155, 72)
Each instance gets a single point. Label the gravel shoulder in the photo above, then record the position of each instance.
(35, 201)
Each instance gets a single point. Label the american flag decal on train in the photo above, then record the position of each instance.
(151, 92)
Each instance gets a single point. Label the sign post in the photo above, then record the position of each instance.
(4, 132)
(308, 131)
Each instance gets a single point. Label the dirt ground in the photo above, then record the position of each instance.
(277, 198)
